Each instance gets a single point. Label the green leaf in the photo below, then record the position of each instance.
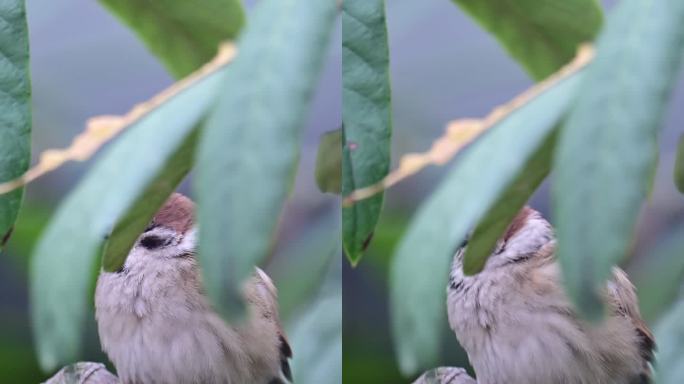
(367, 117)
(607, 151)
(490, 229)
(15, 108)
(669, 335)
(679, 166)
(183, 34)
(139, 215)
(660, 279)
(329, 162)
(316, 336)
(250, 145)
(541, 35)
(318, 342)
(300, 270)
(474, 185)
(143, 210)
(66, 254)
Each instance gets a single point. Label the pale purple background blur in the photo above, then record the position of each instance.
(444, 66)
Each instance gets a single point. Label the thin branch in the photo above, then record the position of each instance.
(460, 133)
(101, 129)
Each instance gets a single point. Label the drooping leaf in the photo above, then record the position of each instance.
(250, 145)
(669, 335)
(67, 252)
(183, 34)
(329, 162)
(316, 336)
(679, 166)
(133, 222)
(320, 343)
(421, 265)
(139, 215)
(15, 108)
(301, 269)
(607, 151)
(541, 35)
(367, 117)
(493, 225)
(661, 277)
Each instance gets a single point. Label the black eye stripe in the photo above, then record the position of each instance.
(152, 242)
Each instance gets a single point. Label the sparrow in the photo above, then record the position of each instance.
(157, 325)
(518, 326)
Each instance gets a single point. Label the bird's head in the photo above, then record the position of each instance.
(525, 236)
(171, 233)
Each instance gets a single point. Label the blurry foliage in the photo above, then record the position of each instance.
(608, 149)
(315, 333)
(474, 185)
(304, 263)
(77, 233)
(17, 362)
(659, 278)
(364, 364)
(182, 34)
(590, 127)
(164, 181)
(248, 151)
(132, 178)
(494, 223)
(542, 36)
(670, 355)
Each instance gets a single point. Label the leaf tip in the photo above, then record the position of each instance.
(408, 364)
(47, 359)
(472, 268)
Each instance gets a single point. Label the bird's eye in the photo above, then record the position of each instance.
(152, 242)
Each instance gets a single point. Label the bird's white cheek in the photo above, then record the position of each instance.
(189, 241)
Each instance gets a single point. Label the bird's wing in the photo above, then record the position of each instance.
(623, 300)
(270, 293)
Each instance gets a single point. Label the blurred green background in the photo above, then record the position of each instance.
(84, 62)
(443, 67)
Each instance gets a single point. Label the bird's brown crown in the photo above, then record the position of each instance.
(518, 222)
(177, 213)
